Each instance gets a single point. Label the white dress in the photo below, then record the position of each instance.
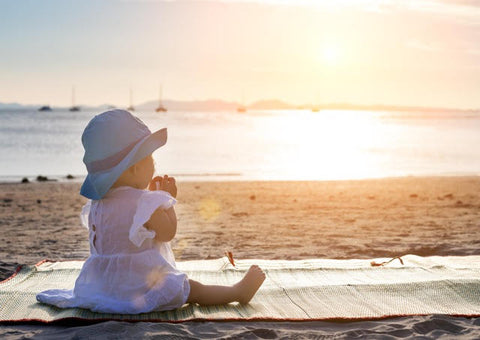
(127, 271)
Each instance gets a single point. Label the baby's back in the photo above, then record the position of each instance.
(110, 220)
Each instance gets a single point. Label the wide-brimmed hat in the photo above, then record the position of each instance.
(114, 141)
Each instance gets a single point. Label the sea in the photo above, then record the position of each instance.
(258, 145)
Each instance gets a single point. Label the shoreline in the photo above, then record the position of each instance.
(226, 177)
(264, 219)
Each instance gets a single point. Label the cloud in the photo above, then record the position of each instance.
(472, 3)
(330, 3)
(462, 11)
(474, 51)
(460, 7)
(421, 45)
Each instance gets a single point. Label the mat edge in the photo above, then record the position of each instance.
(332, 319)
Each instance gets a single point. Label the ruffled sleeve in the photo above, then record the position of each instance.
(85, 212)
(148, 202)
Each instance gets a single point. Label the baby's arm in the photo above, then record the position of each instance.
(164, 223)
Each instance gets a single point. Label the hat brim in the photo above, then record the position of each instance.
(96, 185)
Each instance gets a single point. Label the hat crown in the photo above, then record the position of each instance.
(111, 132)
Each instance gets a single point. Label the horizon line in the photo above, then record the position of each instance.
(330, 105)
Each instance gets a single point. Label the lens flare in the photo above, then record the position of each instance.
(209, 209)
(156, 277)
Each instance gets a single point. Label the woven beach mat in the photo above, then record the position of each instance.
(316, 289)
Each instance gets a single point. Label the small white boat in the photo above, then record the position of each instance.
(160, 107)
(131, 107)
(242, 108)
(74, 108)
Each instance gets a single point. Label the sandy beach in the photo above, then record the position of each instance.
(264, 220)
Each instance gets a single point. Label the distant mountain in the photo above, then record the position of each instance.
(272, 104)
(215, 105)
(195, 105)
(275, 104)
(16, 106)
(221, 105)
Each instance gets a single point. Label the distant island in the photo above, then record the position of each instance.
(276, 104)
(272, 104)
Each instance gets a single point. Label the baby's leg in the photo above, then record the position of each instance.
(242, 291)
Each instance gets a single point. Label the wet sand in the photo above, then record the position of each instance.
(267, 220)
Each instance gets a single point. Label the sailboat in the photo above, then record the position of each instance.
(131, 107)
(316, 107)
(45, 108)
(242, 108)
(74, 108)
(160, 107)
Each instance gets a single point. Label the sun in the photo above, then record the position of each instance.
(330, 54)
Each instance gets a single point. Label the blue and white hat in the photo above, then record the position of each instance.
(114, 141)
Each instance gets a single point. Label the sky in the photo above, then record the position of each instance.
(415, 53)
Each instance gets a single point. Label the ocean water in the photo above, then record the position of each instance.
(259, 145)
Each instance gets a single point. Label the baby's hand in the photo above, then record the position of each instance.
(164, 183)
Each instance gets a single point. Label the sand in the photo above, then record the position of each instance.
(267, 220)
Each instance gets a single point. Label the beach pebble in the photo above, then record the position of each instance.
(41, 178)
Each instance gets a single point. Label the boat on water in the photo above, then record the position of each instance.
(242, 108)
(315, 106)
(160, 107)
(74, 108)
(131, 107)
(45, 108)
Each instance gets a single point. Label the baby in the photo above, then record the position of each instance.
(131, 219)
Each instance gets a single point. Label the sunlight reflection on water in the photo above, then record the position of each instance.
(261, 145)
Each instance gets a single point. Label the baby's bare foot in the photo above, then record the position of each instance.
(250, 283)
